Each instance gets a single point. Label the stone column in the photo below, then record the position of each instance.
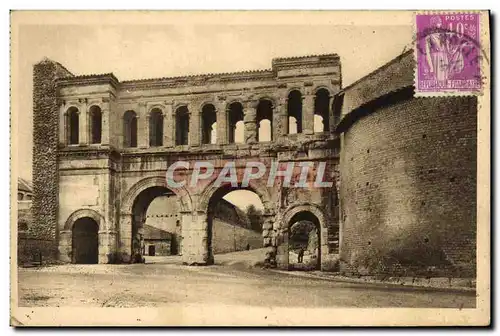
(106, 125)
(308, 114)
(65, 246)
(143, 127)
(194, 126)
(222, 130)
(63, 137)
(125, 241)
(280, 119)
(331, 118)
(250, 120)
(195, 239)
(168, 125)
(107, 247)
(173, 117)
(83, 123)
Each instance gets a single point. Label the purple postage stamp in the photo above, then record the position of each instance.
(448, 54)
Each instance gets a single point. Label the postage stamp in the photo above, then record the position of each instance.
(448, 54)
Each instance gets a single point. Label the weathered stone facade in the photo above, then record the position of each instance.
(111, 175)
(405, 167)
(408, 178)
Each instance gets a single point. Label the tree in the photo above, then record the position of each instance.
(255, 217)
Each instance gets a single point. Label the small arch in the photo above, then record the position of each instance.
(98, 218)
(236, 126)
(305, 212)
(292, 89)
(320, 88)
(265, 120)
(208, 124)
(130, 129)
(72, 125)
(155, 127)
(294, 112)
(182, 125)
(322, 110)
(95, 114)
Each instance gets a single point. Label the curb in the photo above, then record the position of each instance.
(378, 283)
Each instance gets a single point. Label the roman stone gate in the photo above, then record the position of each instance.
(103, 148)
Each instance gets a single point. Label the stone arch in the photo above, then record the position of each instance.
(81, 213)
(70, 106)
(156, 117)
(320, 87)
(283, 238)
(294, 88)
(234, 100)
(178, 105)
(156, 106)
(259, 189)
(94, 103)
(304, 207)
(205, 103)
(72, 125)
(270, 98)
(184, 199)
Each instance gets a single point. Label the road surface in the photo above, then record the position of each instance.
(155, 285)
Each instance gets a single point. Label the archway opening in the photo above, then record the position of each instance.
(156, 128)
(85, 241)
(182, 126)
(208, 124)
(304, 242)
(294, 111)
(95, 124)
(72, 126)
(322, 111)
(236, 126)
(235, 217)
(264, 121)
(156, 225)
(130, 129)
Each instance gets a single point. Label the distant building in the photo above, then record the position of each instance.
(24, 201)
(24, 193)
(157, 242)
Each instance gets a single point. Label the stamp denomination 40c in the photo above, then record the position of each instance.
(448, 54)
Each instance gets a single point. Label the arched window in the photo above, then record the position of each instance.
(95, 124)
(208, 124)
(130, 129)
(156, 128)
(73, 125)
(264, 121)
(294, 111)
(20, 196)
(322, 110)
(236, 126)
(181, 126)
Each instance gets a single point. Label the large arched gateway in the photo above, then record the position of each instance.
(118, 170)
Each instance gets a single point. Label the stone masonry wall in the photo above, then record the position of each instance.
(408, 189)
(45, 146)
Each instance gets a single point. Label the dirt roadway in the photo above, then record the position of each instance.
(154, 285)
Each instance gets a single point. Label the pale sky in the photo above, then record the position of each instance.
(145, 51)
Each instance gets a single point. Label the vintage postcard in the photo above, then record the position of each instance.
(253, 168)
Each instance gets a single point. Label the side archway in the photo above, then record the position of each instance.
(294, 213)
